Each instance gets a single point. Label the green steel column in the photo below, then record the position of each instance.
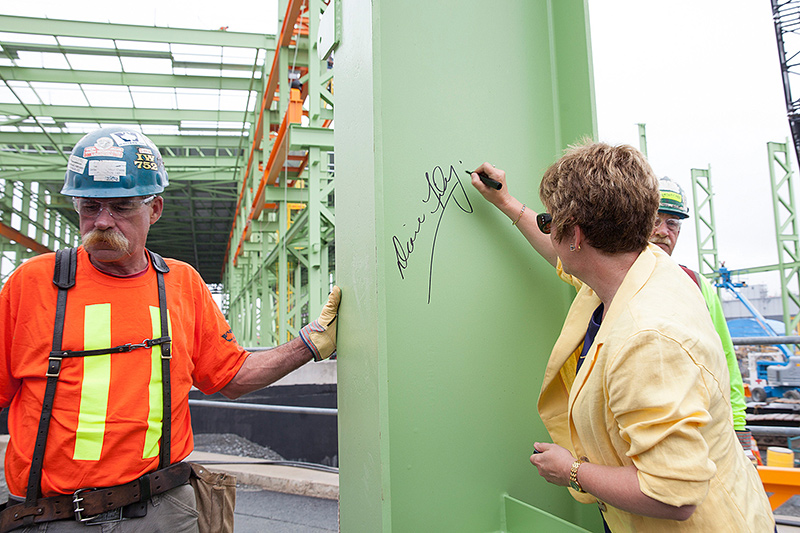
(642, 139)
(283, 274)
(314, 10)
(25, 209)
(297, 300)
(235, 288)
(284, 61)
(247, 306)
(273, 326)
(7, 202)
(315, 281)
(705, 227)
(314, 161)
(41, 232)
(267, 337)
(48, 223)
(253, 291)
(448, 316)
(785, 214)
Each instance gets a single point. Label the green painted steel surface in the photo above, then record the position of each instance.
(704, 223)
(781, 180)
(519, 517)
(448, 315)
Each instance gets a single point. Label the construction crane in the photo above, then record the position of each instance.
(786, 16)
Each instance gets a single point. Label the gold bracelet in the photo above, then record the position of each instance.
(520, 215)
(573, 476)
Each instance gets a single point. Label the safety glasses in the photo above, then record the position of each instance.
(673, 224)
(118, 208)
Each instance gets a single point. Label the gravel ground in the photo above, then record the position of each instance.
(231, 444)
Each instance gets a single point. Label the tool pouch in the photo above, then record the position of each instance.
(215, 493)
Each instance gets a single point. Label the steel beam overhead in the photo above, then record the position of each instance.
(193, 92)
(249, 158)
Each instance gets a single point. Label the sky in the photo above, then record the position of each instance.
(703, 75)
(255, 16)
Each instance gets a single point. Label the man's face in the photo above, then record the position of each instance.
(114, 230)
(666, 231)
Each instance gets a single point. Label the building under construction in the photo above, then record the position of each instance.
(435, 428)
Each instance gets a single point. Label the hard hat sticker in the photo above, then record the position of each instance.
(104, 170)
(76, 164)
(147, 151)
(103, 147)
(669, 195)
(126, 138)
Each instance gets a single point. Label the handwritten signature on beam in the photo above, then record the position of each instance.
(441, 189)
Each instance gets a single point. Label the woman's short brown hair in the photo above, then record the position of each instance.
(609, 191)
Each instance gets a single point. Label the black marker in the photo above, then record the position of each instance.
(489, 182)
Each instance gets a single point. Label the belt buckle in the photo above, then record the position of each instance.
(107, 517)
(114, 515)
(77, 508)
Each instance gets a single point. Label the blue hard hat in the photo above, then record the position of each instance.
(114, 163)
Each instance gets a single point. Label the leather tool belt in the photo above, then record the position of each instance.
(85, 505)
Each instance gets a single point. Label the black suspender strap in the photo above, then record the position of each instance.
(166, 355)
(64, 279)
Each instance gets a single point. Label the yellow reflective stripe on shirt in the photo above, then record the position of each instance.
(95, 385)
(96, 382)
(156, 395)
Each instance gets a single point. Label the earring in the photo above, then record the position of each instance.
(571, 247)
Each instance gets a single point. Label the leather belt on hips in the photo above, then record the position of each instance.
(85, 504)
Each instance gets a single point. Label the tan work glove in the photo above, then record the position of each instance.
(320, 335)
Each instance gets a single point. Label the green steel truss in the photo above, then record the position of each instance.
(785, 218)
(193, 92)
(27, 225)
(280, 264)
(782, 185)
(273, 254)
(705, 226)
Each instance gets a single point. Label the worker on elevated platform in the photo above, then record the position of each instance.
(672, 210)
(635, 395)
(99, 428)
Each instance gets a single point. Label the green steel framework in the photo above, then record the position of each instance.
(785, 219)
(27, 226)
(284, 266)
(280, 263)
(705, 226)
(202, 147)
(782, 186)
(643, 138)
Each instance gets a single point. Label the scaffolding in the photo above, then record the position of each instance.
(280, 260)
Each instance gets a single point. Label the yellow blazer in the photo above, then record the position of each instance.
(654, 392)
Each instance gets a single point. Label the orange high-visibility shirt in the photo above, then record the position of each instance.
(106, 422)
